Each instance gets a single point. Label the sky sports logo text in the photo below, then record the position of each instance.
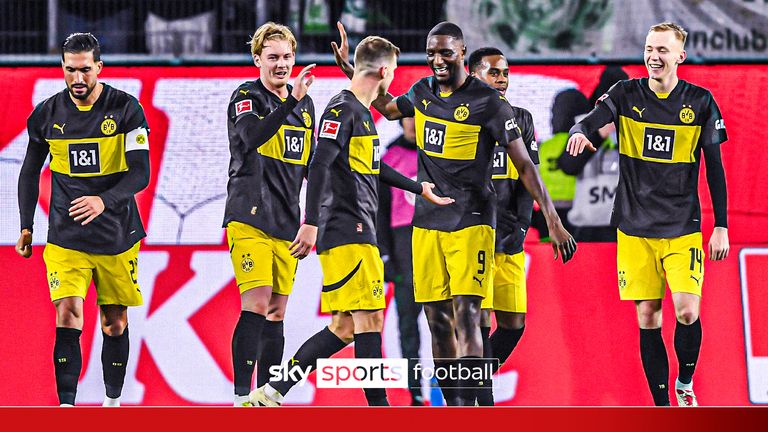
(387, 372)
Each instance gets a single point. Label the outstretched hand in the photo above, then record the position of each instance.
(426, 192)
(577, 143)
(301, 85)
(341, 52)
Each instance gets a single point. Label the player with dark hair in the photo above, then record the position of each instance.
(271, 140)
(507, 297)
(343, 176)
(97, 137)
(459, 120)
(664, 125)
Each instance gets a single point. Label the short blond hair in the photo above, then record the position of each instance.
(679, 32)
(271, 31)
(373, 51)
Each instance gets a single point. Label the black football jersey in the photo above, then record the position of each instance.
(456, 135)
(88, 149)
(349, 205)
(660, 141)
(265, 178)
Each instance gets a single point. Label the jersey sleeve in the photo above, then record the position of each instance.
(502, 124)
(528, 133)
(406, 101)
(136, 127)
(336, 125)
(29, 176)
(713, 129)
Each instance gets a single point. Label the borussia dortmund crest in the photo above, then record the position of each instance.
(307, 119)
(247, 263)
(687, 115)
(461, 112)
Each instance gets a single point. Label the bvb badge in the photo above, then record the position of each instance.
(461, 112)
(687, 115)
(108, 126)
(141, 139)
(247, 263)
(378, 290)
(307, 119)
(53, 280)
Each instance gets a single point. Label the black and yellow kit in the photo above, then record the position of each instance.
(342, 201)
(456, 135)
(661, 138)
(514, 200)
(270, 142)
(92, 149)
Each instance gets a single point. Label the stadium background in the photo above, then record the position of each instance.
(580, 347)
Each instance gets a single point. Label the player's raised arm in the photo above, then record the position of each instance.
(386, 104)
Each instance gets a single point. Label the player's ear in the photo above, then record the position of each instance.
(99, 66)
(683, 56)
(383, 70)
(256, 61)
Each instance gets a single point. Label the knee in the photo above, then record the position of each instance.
(276, 313)
(343, 330)
(649, 315)
(114, 327)
(69, 315)
(687, 315)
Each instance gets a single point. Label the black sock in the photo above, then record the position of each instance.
(504, 342)
(114, 361)
(245, 349)
(469, 384)
(67, 363)
(271, 350)
(448, 385)
(687, 345)
(656, 365)
(485, 392)
(368, 345)
(322, 344)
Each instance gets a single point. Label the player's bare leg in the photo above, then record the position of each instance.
(114, 350)
(442, 327)
(687, 345)
(272, 339)
(245, 339)
(652, 350)
(67, 359)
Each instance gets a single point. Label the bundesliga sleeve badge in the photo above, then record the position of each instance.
(243, 106)
(329, 129)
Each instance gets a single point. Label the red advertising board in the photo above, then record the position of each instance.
(580, 345)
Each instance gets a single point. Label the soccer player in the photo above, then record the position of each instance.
(507, 297)
(664, 124)
(97, 137)
(342, 201)
(459, 120)
(271, 140)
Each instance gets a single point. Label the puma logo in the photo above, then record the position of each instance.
(697, 280)
(638, 111)
(245, 92)
(479, 281)
(60, 128)
(425, 103)
(293, 361)
(335, 111)
(367, 126)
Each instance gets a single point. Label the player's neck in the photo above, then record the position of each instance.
(665, 85)
(365, 89)
(458, 81)
(281, 92)
(91, 99)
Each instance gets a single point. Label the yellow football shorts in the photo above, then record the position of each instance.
(645, 264)
(260, 259)
(116, 276)
(509, 290)
(446, 264)
(353, 278)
